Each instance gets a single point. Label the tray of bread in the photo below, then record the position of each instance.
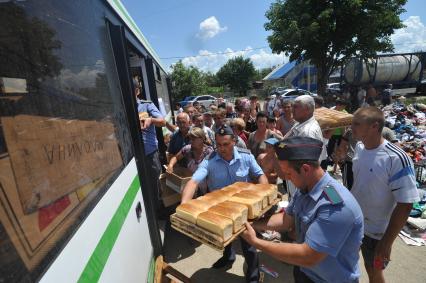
(217, 218)
(331, 119)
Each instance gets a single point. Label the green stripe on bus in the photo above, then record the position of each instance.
(94, 267)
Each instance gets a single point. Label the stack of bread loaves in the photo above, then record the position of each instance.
(329, 118)
(224, 212)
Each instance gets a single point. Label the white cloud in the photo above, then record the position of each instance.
(209, 28)
(84, 78)
(412, 37)
(209, 61)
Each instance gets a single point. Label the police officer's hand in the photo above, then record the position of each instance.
(249, 235)
(145, 123)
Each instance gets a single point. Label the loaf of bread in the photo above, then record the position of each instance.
(231, 190)
(269, 189)
(213, 199)
(242, 185)
(241, 208)
(189, 212)
(272, 189)
(231, 213)
(254, 204)
(221, 194)
(262, 195)
(202, 204)
(216, 224)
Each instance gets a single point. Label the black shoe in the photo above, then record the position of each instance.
(223, 262)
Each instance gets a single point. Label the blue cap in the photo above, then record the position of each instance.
(299, 148)
(271, 141)
(224, 130)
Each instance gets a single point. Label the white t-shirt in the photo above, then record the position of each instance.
(309, 128)
(382, 177)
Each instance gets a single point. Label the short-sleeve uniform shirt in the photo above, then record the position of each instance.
(149, 135)
(221, 173)
(382, 177)
(331, 227)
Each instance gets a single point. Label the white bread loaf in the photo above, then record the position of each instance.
(216, 224)
(241, 208)
(232, 190)
(230, 213)
(254, 204)
(189, 212)
(270, 189)
(242, 185)
(220, 194)
(210, 199)
(260, 194)
(202, 204)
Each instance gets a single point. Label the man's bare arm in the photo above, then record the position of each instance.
(189, 191)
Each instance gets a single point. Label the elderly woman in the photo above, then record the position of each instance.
(192, 153)
(238, 126)
(256, 140)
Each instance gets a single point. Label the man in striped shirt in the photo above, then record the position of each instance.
(384, 186)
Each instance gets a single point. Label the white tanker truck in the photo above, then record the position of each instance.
(404, 71)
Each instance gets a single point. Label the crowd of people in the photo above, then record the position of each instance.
(329, 221)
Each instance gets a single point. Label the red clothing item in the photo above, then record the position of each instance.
(243, 136)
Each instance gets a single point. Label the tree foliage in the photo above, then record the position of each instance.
(237, 73)
(329, 32)
(261, 73)
(30, 45)
(187, 81)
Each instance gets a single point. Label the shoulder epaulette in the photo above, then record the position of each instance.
(211, 155)
(243, 150)
(332, 195)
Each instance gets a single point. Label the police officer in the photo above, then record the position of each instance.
(150, 117)
(324, 215)
(225, 166)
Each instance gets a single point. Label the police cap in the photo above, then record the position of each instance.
(299, 148)
(224, 130)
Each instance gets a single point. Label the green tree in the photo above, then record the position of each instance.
(237, 73)
(187, 81)
(211, 79)
(261, 73)
(329, 32)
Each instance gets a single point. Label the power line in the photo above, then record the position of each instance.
(216, 53)
(257, 48)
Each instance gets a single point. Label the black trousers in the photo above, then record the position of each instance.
(348, 175)
(154, 170)
(251, 257)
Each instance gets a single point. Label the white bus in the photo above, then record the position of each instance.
(73, 207)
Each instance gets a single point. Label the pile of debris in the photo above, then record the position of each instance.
(409, 125)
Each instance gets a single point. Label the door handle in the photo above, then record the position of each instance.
(138, 211)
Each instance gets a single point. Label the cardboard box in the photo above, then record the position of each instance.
(178, 179)
(168, 196)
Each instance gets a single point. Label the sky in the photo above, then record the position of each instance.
(206, 33)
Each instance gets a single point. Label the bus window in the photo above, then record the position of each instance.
(63, 131)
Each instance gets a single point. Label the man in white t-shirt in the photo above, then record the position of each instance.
(306, 126)
(384, 186)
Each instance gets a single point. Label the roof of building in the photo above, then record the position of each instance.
(280, 71)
